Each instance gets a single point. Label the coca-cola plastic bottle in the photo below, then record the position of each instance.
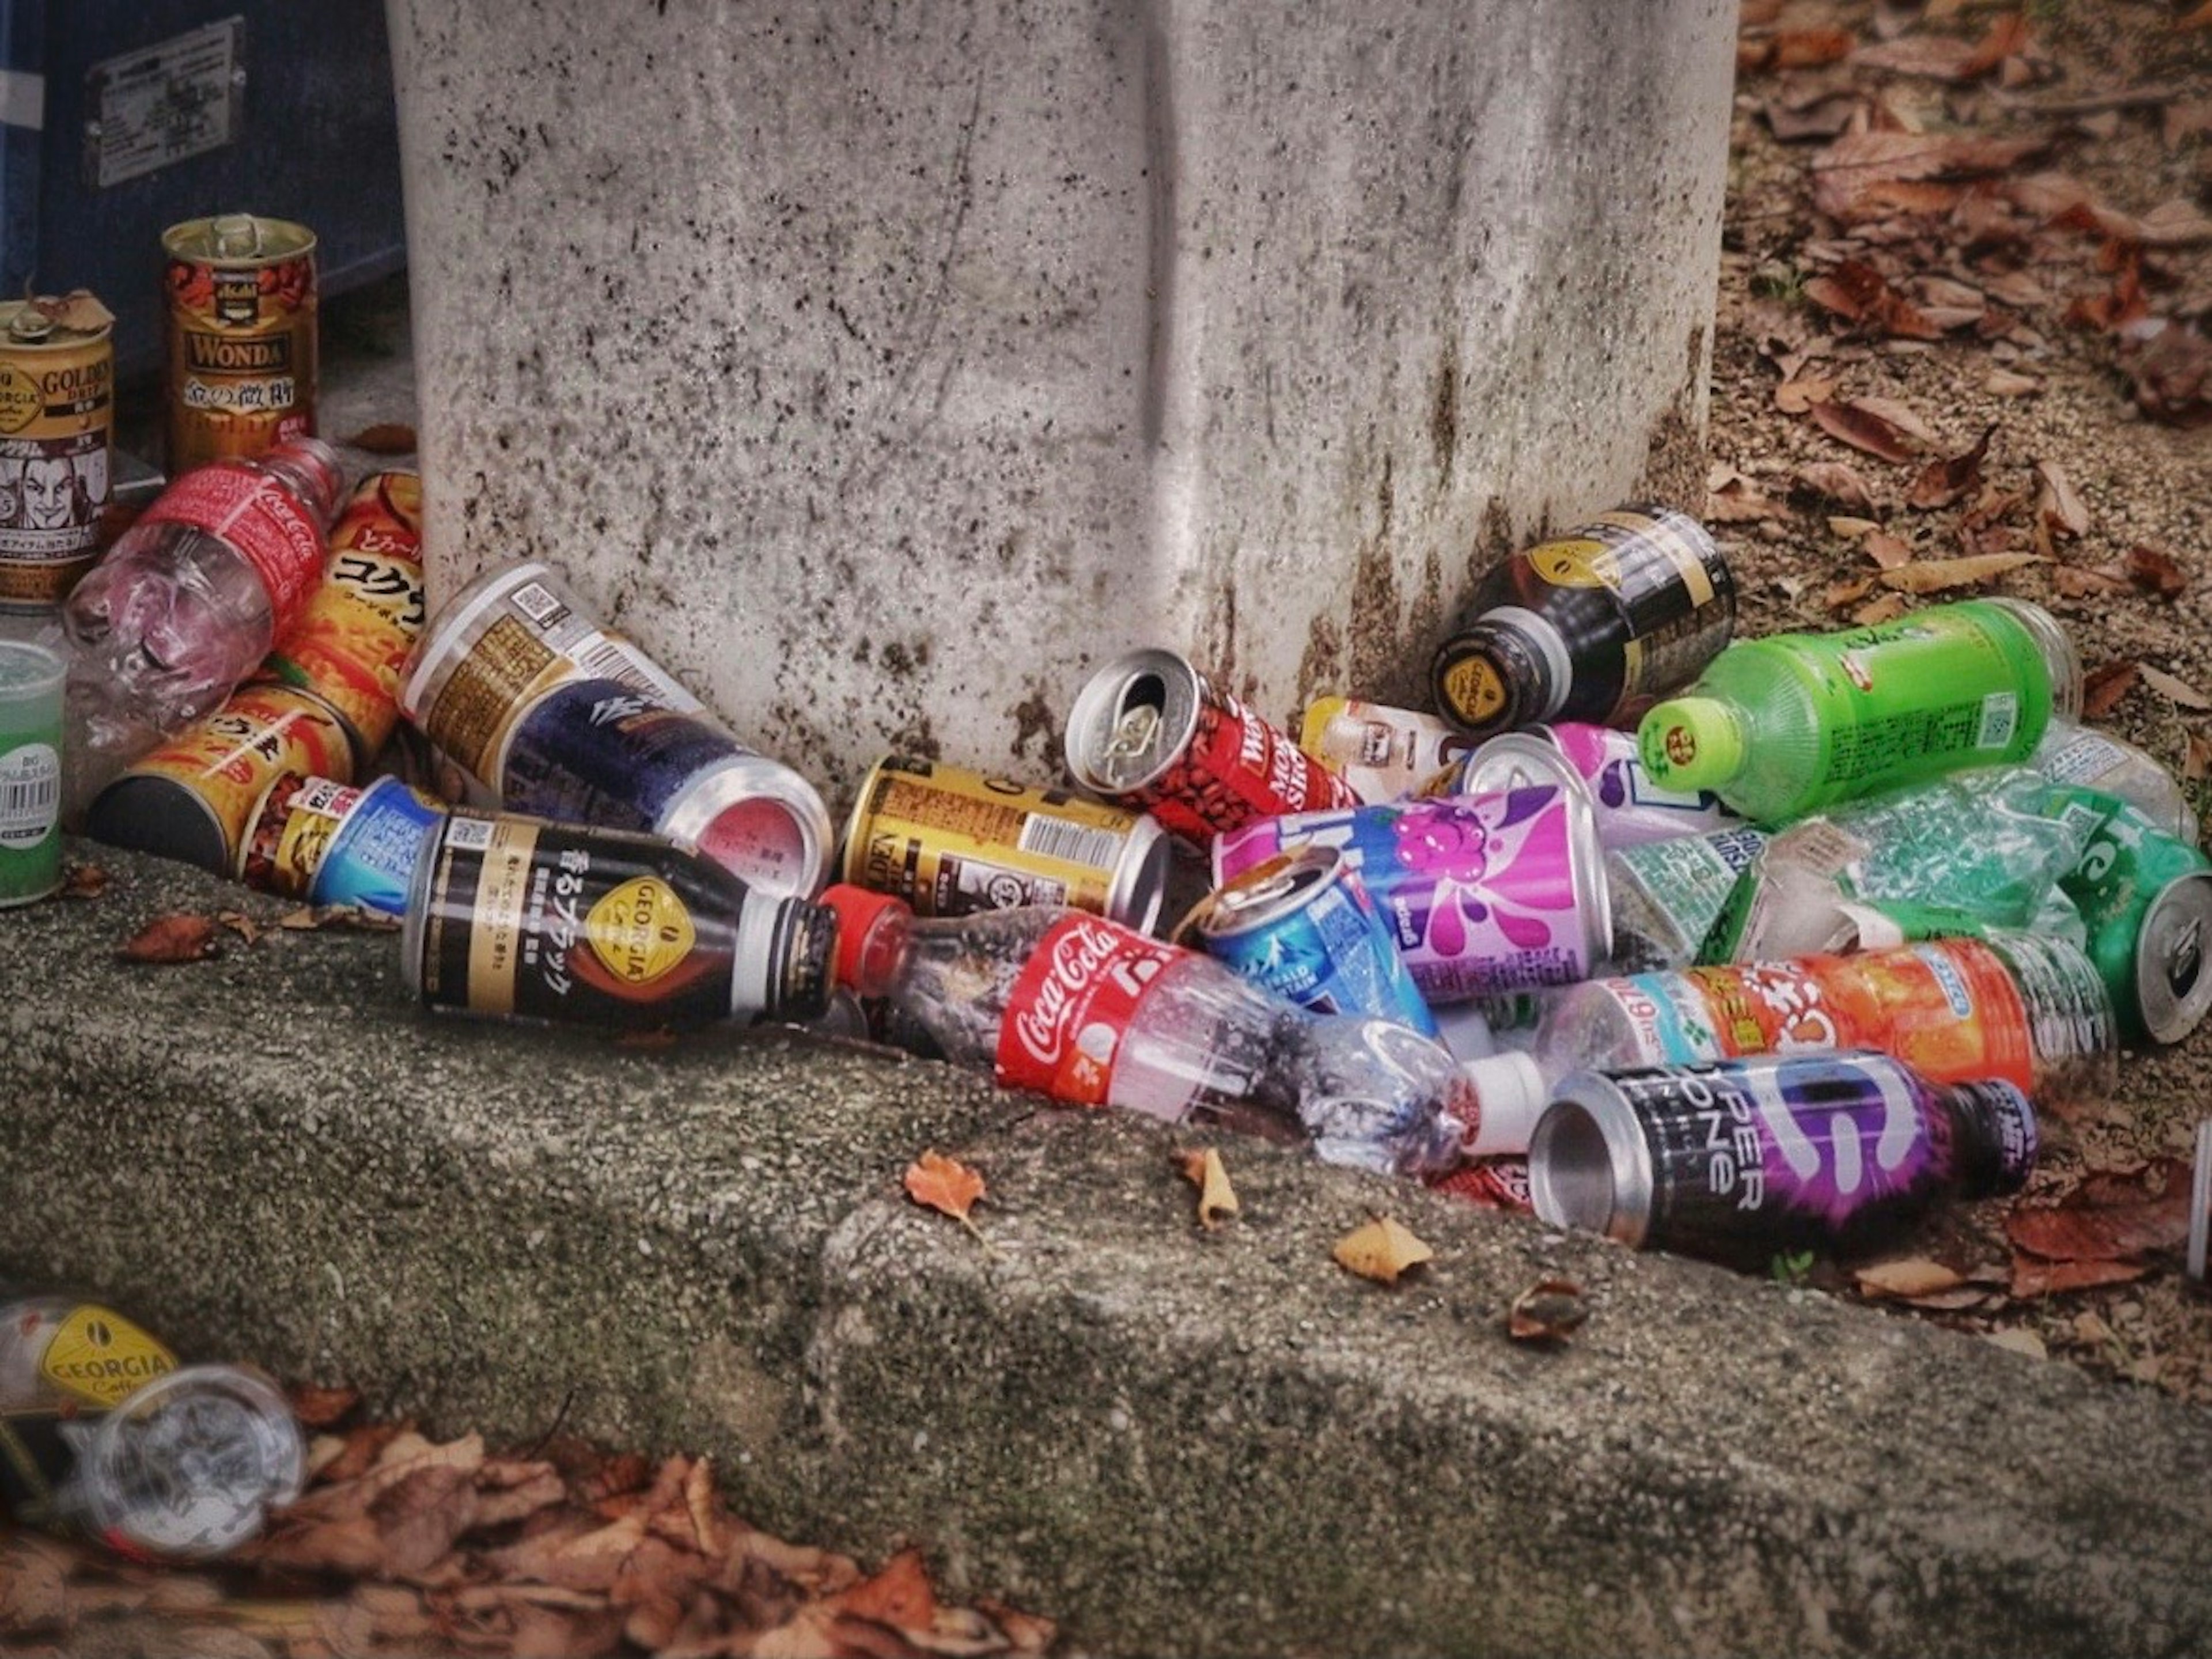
(190, 600)
(1093, 1013)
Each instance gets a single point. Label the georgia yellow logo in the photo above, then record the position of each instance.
(20, 403)
(1474, 691)
(1574, 563)
(640, 930)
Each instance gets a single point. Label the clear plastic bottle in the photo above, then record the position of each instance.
(2030, 1010)
(2071, 753)
(1780, 726)
(191, 598)
(104, 1434)
(1094, 1013)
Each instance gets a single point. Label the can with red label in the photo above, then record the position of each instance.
(242, 336)
(1151, 732)
(950, 841)
(352, 640)
(57, 418)
(193, 798)
(508, 917)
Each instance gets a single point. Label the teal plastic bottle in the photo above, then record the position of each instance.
(1783, 725)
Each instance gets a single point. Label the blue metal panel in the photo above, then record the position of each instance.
(316, 141)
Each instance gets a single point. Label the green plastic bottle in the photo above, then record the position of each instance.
(1782, 726)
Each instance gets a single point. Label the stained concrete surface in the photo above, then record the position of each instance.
(1174, 1441)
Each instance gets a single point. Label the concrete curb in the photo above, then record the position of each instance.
(1173, 1442)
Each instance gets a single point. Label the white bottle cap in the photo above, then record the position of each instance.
(1510, 1095)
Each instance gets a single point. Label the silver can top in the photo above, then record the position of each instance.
(2173, 988)
(1590, 1165)
(1132, 720)
(1265, 894)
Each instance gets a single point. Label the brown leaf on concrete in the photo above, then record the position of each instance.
(1869, 175)
(2105, 686)
(384, 438)
(2155, 571)
(946, 1185)
(508, 1493)
(34, 1597)
(173, 938)
(1855, 291)
(1909, 1280)
(1810, 48)
(2031, 1278)
(1887, 551)
(1925, 56)
(1823, 117)
(1739, 502)
(2196, 759)
(2079, 582)
(1877, 611)
(353, 917)
(322, 1408)
(2056, 504)
(2174, 689)
(83, 881)
(1217, 1199)
(2008, 39)
(2108, 1218)
(1941, 483)
(419, 1518)
(1934, 575)
(1796, 397)
(1550, 1310)
(2004, 383)
(2171, 364)
(1836, 482)
(1383, 1250)
(1862, 429)
(898, 1596)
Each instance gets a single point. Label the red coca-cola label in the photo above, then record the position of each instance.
(1072, 1005)
(259, 516)
(1236, 768)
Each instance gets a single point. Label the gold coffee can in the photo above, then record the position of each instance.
(56, 420)
(242, 342)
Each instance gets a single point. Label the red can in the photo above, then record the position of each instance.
(1156, 734)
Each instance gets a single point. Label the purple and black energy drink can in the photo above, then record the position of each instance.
(1753, 1155)
(1300, 925)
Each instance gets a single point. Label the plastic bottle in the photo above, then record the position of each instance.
(2029, 1009)
(1750, 1155)
(100, 1432)
(1780, 726)
(191, 598)
(1381, 753)
(1093, 1013)
(2071, 753)
(1589, 627)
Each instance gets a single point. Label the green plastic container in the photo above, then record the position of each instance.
(1783, 725)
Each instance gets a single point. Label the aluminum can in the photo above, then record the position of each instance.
(1484, 894)
(600, 751)
(502, 642)
(1300, 925)
(242, 340)
(1382, 752)
(2147, 900)
(1151, 732)
(351, 642)
(192, 798)
(950, 841)
(1770, 1151)
(330, 843)
(507, 917)
(1630, 808)
(57, 425)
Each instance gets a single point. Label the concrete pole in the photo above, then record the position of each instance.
(883, 367)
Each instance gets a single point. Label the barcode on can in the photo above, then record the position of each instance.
(537, 602)
(1072, 843)
(34, 799)
(469, 835)
(2000, 719)
(603, 657)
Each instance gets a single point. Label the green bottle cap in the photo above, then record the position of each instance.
(1690, 743)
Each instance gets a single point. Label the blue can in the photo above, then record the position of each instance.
(1300, 925)
(331, 843)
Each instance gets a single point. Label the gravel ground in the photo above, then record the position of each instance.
(2120, 95)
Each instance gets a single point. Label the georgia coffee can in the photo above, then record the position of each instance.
(193, 798)
(510, 917)
(57, 418)
(1151, 732)
(950, 842)
(242, 339)
(352, 640)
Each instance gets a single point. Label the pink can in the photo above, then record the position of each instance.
(1485, 895)
(1630, 809)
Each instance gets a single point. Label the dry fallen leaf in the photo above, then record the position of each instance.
(319, 1408)
(2004, 383)
(1934, 575)
(1941, 483)
(384, 438)
(1217, 1199)
(2105, 686)
(240, 924)
(1836, 482)
(352, 917)
(1855, 290)
(2196, 761)
(2175, 690)
(83, 881)
(1887, 551)
(2171, 363)
(2156, 571)
(171, 938)
(1863, 429)
(2019, 1340)
(946, 1185)
(1864, 176)
(2109, 1217)
(1549, 1310)
(2031, 1278)
(1906, 1280)
(1382, 1250)
(2057, 506)
(2079, 582)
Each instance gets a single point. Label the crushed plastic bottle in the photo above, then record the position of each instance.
(1781, 726)
(190, 600)
(1092, 1014)
(102, 1432)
